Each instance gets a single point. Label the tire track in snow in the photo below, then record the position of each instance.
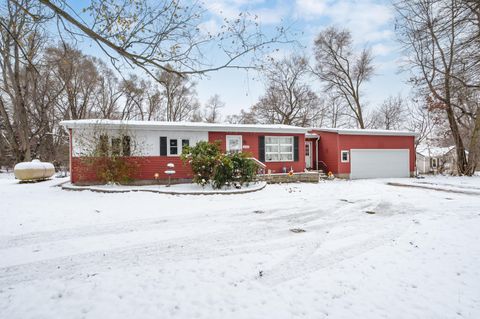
(307, 259)
(260, 230)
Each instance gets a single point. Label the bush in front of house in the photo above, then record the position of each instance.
(244, 169)
(114, 170)
(202, 159)
(108, 156)
(210, 165)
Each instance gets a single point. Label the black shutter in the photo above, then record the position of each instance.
(126, 145)
(295, 148)
(261, 148)
(163, 146)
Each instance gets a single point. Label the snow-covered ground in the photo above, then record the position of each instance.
(176, 189)
(67, 254)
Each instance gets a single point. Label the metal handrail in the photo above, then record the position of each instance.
(324, 165)
(262, 165)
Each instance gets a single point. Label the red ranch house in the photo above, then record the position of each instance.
(347, 153)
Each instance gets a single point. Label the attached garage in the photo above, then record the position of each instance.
(358, 154)
(378, 163)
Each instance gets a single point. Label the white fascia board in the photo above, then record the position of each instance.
(366, 132)
(185, 126)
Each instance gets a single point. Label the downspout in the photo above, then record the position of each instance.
(316, 151)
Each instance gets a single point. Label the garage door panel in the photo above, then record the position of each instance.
(378, 163)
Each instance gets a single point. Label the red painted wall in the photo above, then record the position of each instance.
(331, 144)
(348, 142)
(251, 141)
(328, 151)
(146, 167)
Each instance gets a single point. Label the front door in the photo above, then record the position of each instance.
(308, 154)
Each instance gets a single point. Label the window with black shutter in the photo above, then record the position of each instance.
(261, 148)
(126, 145)
(163, 146)
(103, 145)
(295, 149)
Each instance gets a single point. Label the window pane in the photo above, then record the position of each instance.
(234, 143)
(270, 140)
(286, 157)
(285, 140)
(116, 146)
(272, 157)
(185, 143)
(278, 148)
(271, 148)
(173, 147)
(285, 149)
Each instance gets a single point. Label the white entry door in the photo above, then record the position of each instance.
(308, 154)
(378, 163)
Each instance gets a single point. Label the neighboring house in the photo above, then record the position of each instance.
(436, 160)
(346, 153)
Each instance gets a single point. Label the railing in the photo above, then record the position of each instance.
(261, 165)
(323, 166)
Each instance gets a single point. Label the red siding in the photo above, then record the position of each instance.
(328, 151)
(250, 140)
(331, 144)
(348, 142)
(146, 169)
(149, 165)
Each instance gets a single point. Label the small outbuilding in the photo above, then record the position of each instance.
(436, 160)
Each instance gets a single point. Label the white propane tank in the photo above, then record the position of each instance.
(34, 170)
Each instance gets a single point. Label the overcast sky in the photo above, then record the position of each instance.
(370, 21)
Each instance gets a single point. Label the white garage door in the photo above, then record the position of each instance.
(377, 163)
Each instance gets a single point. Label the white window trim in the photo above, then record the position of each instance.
(341, 156)
(179, 145)
(279, 145)
(227, 137)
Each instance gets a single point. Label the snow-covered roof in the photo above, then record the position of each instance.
(186, 126)
(343, 131)
(433, 151)
(311, 135)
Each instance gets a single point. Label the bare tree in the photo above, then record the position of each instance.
(157, 35)
(108, 93)
(341, 69)
(435, 34)
(244, 117)
(79, 76)
(288, 98)
(134, 90)
(421, 120)
(337, 112)
(20, 40)
(212, 109)
(391, 114)
(180, 95)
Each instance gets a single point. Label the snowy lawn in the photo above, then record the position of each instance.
(416, 254)
(177, 189)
